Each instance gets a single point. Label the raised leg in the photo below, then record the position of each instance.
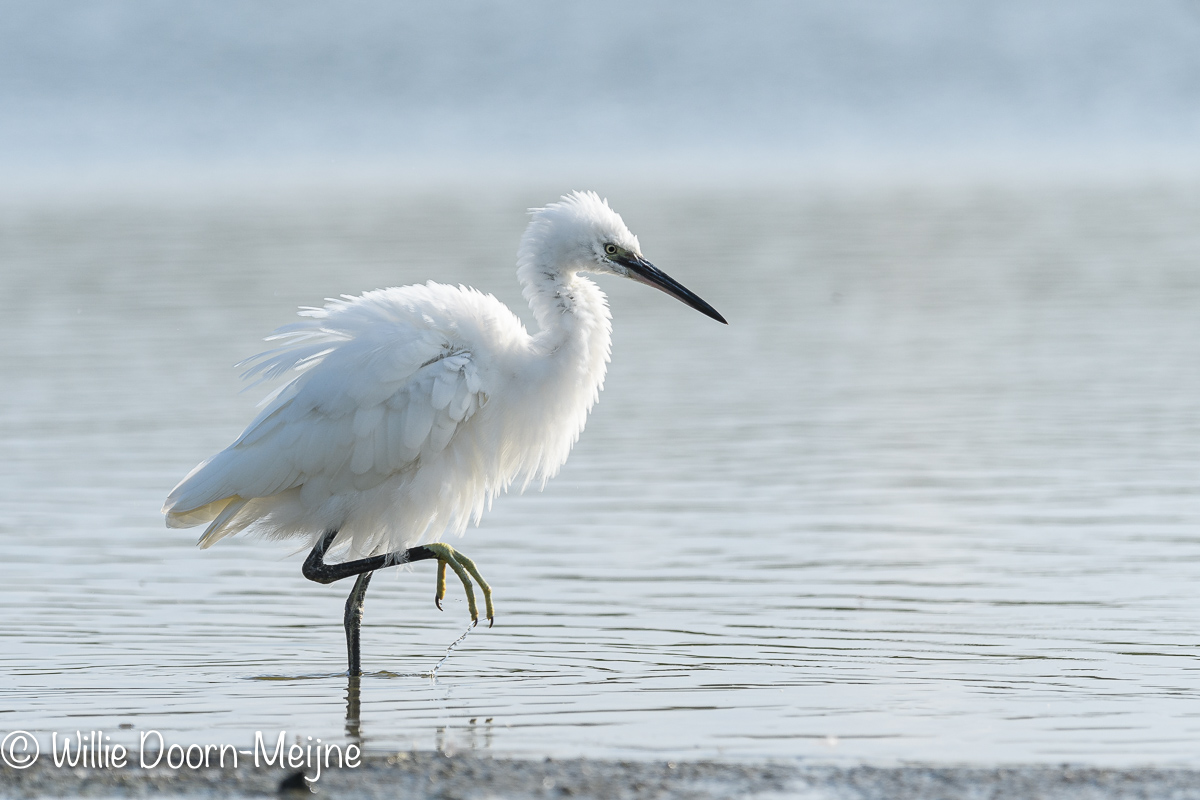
(353, 621)
(315, 569)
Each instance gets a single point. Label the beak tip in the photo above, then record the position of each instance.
(643, 271)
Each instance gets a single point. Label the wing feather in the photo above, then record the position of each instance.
(441, 432)
(418, 415)
(316, 440)
(379, 384)
(362, 458)
(444, 385)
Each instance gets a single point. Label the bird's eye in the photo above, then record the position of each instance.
(611, 249)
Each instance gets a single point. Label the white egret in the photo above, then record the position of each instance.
(411, 408)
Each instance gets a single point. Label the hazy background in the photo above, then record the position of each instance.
(149, 89)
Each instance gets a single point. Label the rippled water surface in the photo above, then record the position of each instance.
(933, 494)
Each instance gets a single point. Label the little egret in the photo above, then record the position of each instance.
(411, 408)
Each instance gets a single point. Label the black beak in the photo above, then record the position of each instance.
(643, 271)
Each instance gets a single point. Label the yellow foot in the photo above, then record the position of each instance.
(465, 569)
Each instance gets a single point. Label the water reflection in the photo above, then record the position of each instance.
(931, 494)
(354, 709)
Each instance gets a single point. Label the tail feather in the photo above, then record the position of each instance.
(225, 523)
(195, 516)
(220, 514)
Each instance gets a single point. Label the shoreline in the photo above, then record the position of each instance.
(421, 775)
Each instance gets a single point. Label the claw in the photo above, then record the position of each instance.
(441, 585)
(465, 569)
(469, 565)
(448, 558)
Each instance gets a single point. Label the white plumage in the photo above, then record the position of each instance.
(411, 408)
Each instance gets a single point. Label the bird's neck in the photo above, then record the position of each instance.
(570, 353)
(571, 311)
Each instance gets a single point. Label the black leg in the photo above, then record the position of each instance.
(353, 621)
(315, 568)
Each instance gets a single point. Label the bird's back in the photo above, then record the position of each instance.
(382, 432)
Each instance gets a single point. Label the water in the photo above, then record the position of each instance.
(396, 84)
(932, 494)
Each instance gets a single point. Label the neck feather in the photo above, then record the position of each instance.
(564, 303)
(573, 346)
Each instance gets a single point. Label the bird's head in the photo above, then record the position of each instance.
(580, 233)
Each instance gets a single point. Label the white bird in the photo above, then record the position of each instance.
(411, 408)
